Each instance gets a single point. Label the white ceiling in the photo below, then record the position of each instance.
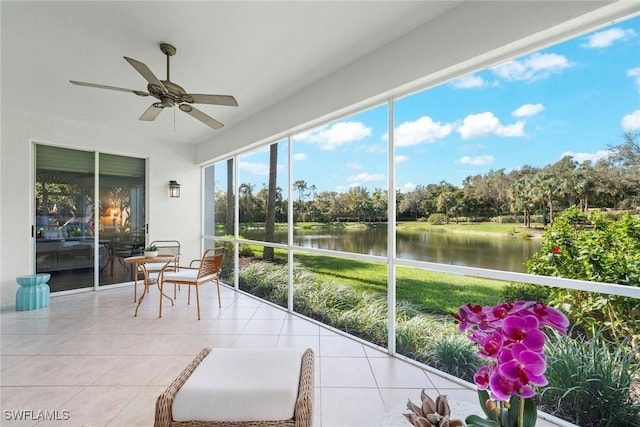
(261, 52)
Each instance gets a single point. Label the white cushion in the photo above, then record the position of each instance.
(182, 275)
(241, 385)
(154, 266)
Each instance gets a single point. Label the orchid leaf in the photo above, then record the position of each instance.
(476, 421)
(483, 396)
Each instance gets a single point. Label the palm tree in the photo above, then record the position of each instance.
(270, 223)
(230, 198)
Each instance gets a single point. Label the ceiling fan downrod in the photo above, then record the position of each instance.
(169, 51)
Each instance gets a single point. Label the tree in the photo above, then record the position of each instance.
(270, 222)
(247, 202)
(301, 187)
(545, 189)
(412, 202)
(522, 193)
(445, 202)
(230, 198)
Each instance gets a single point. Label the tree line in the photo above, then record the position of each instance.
(613, 182)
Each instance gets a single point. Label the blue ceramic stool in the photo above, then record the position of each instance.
(33, 293)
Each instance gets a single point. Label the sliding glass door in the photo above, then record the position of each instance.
(78, 241)
(121, 214)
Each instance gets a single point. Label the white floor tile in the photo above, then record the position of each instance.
(88, 355)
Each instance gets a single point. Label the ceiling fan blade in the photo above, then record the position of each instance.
(151, 113)
(211, 99)
(207, 120)
(121, 89)
(146, 73)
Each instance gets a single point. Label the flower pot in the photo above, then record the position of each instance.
(150, 254)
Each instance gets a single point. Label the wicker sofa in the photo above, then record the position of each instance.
(303, 411)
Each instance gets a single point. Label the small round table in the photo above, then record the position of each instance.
(139, 266)
(34, 291)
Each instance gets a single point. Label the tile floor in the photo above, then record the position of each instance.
(88, 362)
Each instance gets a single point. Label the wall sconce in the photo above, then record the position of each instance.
(174, 189)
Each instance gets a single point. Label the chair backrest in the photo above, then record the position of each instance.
(167, 247)
(211, 264)
(129, 246)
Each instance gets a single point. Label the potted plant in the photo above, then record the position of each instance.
(510, 338)
(151, 251)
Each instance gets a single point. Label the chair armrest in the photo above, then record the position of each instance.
(164, 402)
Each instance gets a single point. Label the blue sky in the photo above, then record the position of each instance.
(575, 98)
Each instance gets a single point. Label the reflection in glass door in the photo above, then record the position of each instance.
(69, 244)
(64, 229)
(121, 215)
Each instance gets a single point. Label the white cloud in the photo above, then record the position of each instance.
(366, 177)
(422, 130)
(469, 82)
(631, 122)
(299, 156)
(476, 160)
(608, 37)
(635, 72)
(582, 157)
(254, 168)
(408, 187)
(354, 166)
(483, 124)
(331, 137)
(535, 67)
(527, 110)
(401, 159)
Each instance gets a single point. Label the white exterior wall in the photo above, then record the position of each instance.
(168, 218)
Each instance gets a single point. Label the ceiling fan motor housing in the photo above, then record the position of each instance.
(168, 93)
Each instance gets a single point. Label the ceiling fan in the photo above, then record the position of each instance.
(168, 93)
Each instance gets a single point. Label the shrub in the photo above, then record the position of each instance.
(590, 382)
(437, 218)
(512, 292)
(227, 261)
(508, 219)
(454, 355)
(607, 252)
(244, 250)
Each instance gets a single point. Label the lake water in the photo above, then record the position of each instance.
(498, 253)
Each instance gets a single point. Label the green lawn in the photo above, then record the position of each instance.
(470, 227)
(431, 291)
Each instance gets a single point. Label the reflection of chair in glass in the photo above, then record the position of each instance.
(128, 247)
(165, 247)
(207, 271)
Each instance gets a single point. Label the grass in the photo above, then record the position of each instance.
(505, 230)
(590, 382)
(429, 291)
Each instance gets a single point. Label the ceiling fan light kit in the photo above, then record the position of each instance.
(168, 93)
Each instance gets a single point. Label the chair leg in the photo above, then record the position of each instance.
(189, 296)
(218, 286)
(197, 300)
(160, 285)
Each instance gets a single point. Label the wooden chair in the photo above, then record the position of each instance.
(208, 270)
